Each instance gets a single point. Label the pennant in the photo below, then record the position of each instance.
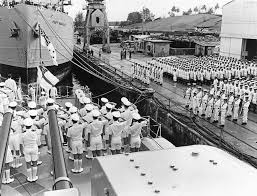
(45, 41)
(45, 78)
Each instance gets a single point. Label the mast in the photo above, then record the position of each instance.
(40, 52)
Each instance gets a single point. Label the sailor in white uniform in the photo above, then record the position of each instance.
(223, 109)
(95, 130)
(203, 103)
(216, 110)
(236, 105)
(15, 137)
(115, 130)
(104, 101)
(135, 131)
(11, 84)
(75, 142)
(230, 104)
(30, 142)
(83, 110)
(32, 92)
(53, 92)
(127, 115)
(245, 106)
(6, 176)
(42, 99)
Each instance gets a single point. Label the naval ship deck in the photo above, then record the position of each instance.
(21, 187)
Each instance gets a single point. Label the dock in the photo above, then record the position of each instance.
(241, 140)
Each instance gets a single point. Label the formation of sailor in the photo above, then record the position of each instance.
(95, 129)
(99, 129)
(141, 71)
(205, 69)
(219, 104)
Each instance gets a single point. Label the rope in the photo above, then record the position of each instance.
(86, 69)
(65, 45)
(80, 66)
(105, 93)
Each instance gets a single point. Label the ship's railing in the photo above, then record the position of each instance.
(104, 62)
(152, 129)
(65, 91)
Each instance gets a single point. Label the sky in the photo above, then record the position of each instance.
(118, 10)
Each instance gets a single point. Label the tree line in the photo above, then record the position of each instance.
(196, 10)
(145, 15)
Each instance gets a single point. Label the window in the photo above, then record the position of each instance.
(97, 20)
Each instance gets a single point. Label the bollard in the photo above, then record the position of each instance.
(60, 173)
(4, 135)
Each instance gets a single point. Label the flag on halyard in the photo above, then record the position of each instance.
(45, 41)
(45, 78)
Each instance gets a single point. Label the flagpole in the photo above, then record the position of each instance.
(40, 53)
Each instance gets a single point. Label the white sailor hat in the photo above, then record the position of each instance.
(89, 107)
(104, 100)
(13, 104)
(28, 122)
(81, 95)
(123, 99)
(2, 84)
(86, 100)
(75, 117)
(50, 100)
(116, 114)
(68, 104)
(136, 116)
(127, 103)
(32, 112)
(73, 109)
(32, 105)
(109, 106)
(96, 113)
(43, 93)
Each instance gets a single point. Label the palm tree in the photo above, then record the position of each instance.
(196, 10)
(216, 7)
(204, 8)
(189, 11)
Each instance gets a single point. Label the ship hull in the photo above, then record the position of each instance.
(28, 76)
(23, 51)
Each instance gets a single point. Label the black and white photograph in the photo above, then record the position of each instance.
(128, 97)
